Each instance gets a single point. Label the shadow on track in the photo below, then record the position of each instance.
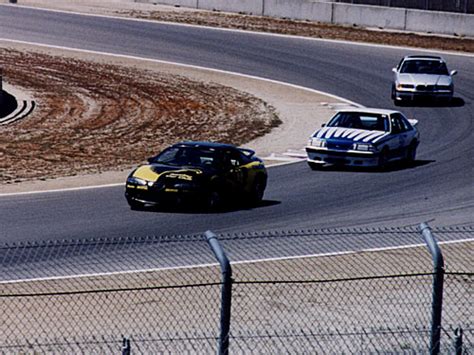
(395, 166)
(202, 210)
(454, 102)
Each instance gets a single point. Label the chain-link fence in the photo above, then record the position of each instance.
(463, 6)
(318, 291)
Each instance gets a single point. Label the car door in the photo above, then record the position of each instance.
(234, 173)
(401, 134)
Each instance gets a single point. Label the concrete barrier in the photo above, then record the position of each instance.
(251, 7)
(341, 13)
(440, 22)
(299, 10)
(369, 16)
(184, 3)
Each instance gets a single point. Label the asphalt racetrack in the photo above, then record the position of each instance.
(438, 189)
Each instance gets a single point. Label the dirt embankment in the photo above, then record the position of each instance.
(96, 117)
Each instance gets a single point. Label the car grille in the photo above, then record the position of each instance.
(339, 145)
(425, 87)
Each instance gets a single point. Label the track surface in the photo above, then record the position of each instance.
(439, 188)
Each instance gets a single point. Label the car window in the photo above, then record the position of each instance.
(405, 123)
(191, 156)
(235, 157)
(400, 64)
(400, 122)
(396, 126)
(360, 120)
(424, 66)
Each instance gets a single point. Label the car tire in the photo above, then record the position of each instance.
(394, 95)
(383, 159)
(213, 200)
(135, 205)
(315, 166)
(258, 190)
(410, 153)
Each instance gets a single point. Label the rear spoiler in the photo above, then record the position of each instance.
(248, 152)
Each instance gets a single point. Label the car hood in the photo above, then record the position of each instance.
(424, 79)
(153, 172)
(350, 134)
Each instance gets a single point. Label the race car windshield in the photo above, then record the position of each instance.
(187, 156)
(358, 120)
(424, 67)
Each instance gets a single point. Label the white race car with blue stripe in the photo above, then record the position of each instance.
(364, 137)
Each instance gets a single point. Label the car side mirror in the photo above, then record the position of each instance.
(453, 72)
(394, 70)
(323, 125)
(150, 160)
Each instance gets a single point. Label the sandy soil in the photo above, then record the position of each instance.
(83, 126)
(102, 117)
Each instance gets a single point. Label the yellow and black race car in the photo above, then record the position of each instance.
(202, 173)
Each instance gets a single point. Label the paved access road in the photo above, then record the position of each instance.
(440, 188)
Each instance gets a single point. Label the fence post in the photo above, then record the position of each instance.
(438, 279)
(226, 295)
(126, 346)
(458, 341)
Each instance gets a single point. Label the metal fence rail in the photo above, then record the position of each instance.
(323, 291)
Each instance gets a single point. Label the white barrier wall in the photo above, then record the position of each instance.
(440, 22)
(184, 3)
(253, 7)
(301, 10)
(369, 16)
(341, 13)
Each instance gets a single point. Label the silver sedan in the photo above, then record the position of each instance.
(422, 77)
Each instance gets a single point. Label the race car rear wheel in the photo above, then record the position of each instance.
(214, 200)
(258, 190)
(410, 153)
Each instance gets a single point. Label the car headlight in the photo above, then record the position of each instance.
(405, 86)
(137, 181)
(317, 142)
(445, 87)
(364, 147)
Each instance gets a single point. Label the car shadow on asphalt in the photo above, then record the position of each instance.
(454, 102)
(201, 210)
(395, 166)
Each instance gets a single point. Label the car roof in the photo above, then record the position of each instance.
(377, 111)
(197, 144)
(427, 57)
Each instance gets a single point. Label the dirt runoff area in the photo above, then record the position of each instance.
(95, 117)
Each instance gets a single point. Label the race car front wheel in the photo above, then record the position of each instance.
(134, 205)
(383, 159)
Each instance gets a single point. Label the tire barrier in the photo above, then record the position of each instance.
(23, 109)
